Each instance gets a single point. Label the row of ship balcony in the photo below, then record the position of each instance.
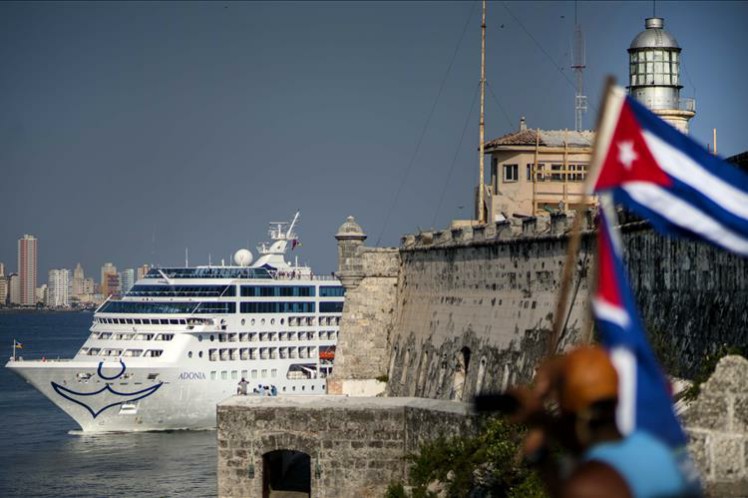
(304, 335)
(282, 353)
(215, 324)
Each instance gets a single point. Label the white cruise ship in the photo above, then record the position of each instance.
(182, 339)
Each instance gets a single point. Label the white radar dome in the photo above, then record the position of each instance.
(243, 257)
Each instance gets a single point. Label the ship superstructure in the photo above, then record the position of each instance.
(182, 339)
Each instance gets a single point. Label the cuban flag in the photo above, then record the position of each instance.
(663, 175)
(644, 396)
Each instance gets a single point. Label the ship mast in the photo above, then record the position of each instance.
(482, 123)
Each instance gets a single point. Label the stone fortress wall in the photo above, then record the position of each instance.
(470, 309)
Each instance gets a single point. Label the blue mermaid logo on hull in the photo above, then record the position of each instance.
(97, 402)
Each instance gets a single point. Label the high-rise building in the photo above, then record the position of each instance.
(111, 285)
(143, 271)
(76, 284)
(127, 279)
(3, 286)
(27, 269)
(57, 289)
(42, 294)
(3, 290)
(107, 271)
(89, 286)
(14, 289)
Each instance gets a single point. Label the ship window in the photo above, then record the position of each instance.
(254, 374)
(234, 375)
(284, 388)
(105, 335)
(133, 352)
(164, 337)
(264, 373)
(137, 321)
(200, 338)
(274, 372)
(293, 388)
(224, 375)
(152, 376)
(252, 321)
(83, 351)
(212, 355)
(232, 353)
(200, 354)
(244, 353)
(94, 351)
(243, 337)
(282, 321)
(242, 321)
(153, 353)
(333, 307)
(232, 337)
(213, 375)
(212, 338)
(272, 321)
(173, 322)
(331, 291)
(189, 355)
(244, 374)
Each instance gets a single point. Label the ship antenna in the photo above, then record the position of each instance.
(186, 257)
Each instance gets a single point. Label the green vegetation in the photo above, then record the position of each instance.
(481, 465)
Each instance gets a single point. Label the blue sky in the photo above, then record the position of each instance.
(131, 131)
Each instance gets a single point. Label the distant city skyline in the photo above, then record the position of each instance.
(134, 131)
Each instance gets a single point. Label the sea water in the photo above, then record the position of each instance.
(42, 453)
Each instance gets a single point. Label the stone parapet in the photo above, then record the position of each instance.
(717, 423)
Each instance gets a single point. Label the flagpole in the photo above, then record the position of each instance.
(14, 350)
(559, 317)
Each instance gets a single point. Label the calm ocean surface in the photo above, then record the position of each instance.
(39, 456)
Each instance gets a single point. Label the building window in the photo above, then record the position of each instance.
(511, 173)
(557, 174)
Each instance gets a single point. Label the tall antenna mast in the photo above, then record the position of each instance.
(482, 124)
(578, 65)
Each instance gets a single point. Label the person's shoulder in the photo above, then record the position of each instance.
(594, 479)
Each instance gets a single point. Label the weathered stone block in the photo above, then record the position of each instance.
(700, 450)
(709, 411)
(730, 376)
(727, 453)
(740, 413)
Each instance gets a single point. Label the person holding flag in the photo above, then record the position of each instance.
(615, 412)
(614, 416)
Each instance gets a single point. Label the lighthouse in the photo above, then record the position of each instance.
(654, 74)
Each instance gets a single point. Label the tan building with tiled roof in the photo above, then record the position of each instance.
(536, 171)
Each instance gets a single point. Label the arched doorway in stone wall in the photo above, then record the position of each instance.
(462, 363)
(286, 474)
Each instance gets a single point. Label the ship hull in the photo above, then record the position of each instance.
(148, 399)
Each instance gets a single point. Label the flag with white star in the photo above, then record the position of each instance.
(666, 177)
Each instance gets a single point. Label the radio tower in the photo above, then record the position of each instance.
(577, 64)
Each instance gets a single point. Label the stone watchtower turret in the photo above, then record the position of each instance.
(350, 239)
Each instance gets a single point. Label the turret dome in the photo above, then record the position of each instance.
(350, 230)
